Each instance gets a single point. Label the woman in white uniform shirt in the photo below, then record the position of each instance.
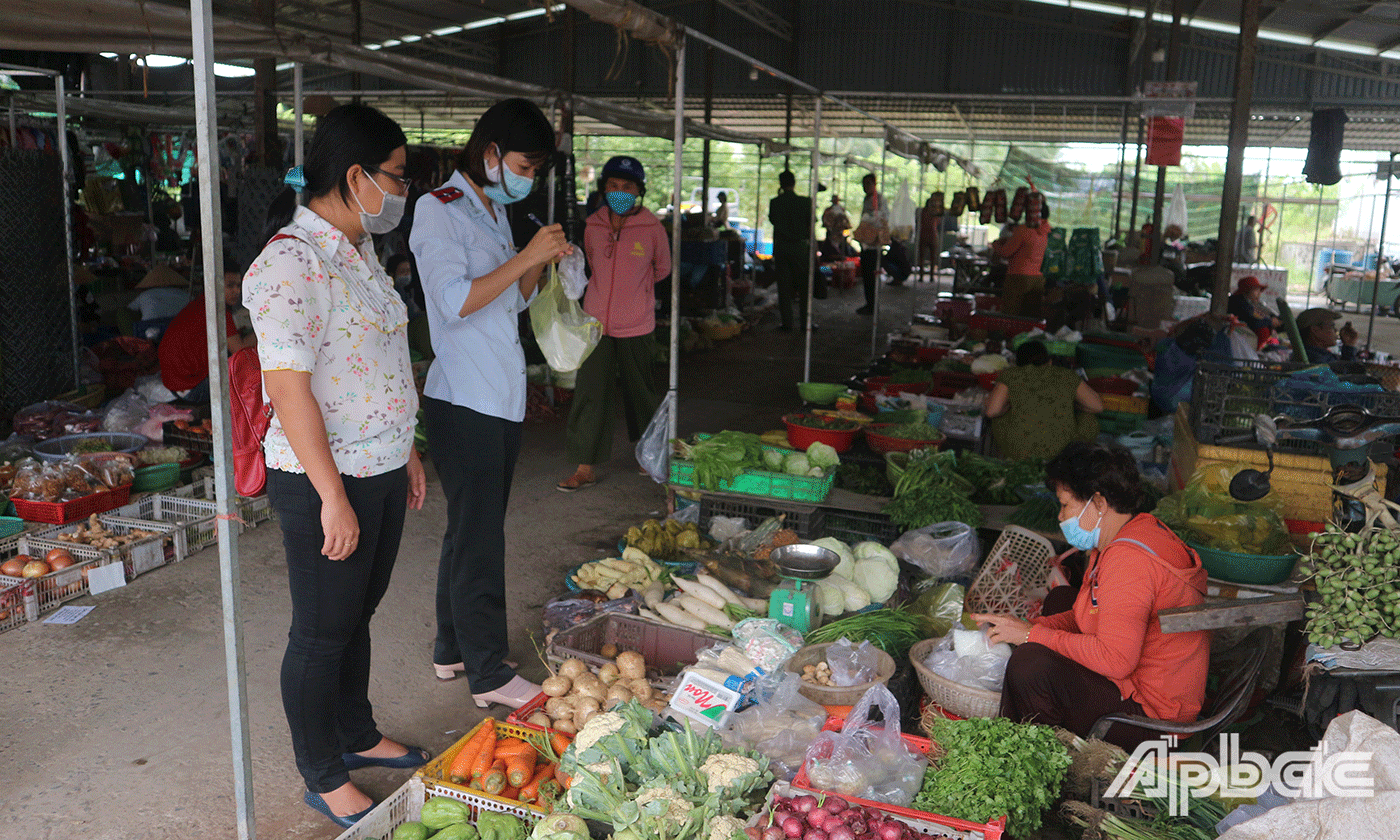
(475, 286)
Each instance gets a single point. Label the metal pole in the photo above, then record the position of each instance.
(1137, 187)
(299, 150)
(211, 232)
(678, 147)
(1380, 251)
(61, 98)
(1122, 165)
(757, 211)
(918, 248)
(879, 250)
(812, 236)
(1317, 232)
(1234, 161)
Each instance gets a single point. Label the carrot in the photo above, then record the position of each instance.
(563, 778)
(558, 742)
(510, 793)
(461, 768)
(482, 763)
(494, 780)
(531, 791)
(513, 746)
(519, 769)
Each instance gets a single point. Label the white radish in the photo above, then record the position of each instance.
(646, 613)
(653, 593)
(678, 616)
(700, 592)
(758, 605)
(705, 612)
(729, 595)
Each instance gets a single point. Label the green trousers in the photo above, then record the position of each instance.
(629, 362)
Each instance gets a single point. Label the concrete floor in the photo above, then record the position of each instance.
(117, 727)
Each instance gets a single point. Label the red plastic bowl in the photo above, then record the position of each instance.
(987, 380)
(802, 437)
(880, 443)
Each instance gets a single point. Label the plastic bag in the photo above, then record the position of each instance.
(725, 528)
(940, 607)
(941, 550)
(767, 641)
(964, 657)
(852, 664)
(126, 412)
(654, 449)
(571, 275)
(1205, 513)
(566, 334)
(866, 758)
(780, 725)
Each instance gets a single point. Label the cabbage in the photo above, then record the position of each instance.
(773, 460)
(856, 597)
(847, 566)
(796, 464)
(830, 597)
(869, 550)
(816, 472)
(823, 456)
(990, 363)
(876, 578)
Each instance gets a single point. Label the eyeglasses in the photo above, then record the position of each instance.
(403, 182)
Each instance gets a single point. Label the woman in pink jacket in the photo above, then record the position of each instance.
(628, 254)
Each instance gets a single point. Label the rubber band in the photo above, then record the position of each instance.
(232, 517)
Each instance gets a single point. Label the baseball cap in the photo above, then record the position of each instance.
(623, 166)
(1317, 316)
(1250, 283)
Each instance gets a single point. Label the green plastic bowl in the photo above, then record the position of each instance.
(819, 393)
(1234, 567)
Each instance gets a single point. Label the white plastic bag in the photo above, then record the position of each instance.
(941, 550)
(780, 726)
(654, 449)
(852, 664)
(566, 334)
(571, 275)
(867, 758)
(964, 657)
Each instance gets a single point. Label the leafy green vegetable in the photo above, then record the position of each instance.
(991, 767)
(496, 825)
(997, 481)
(823, 456)
(796, 464)
(912, 431)
(892, 630)
(864, 479)
(1039, 514)
(818, 421)
(722, 457)
(773, 460)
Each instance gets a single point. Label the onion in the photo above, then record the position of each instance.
(34, 569)
(889, 830)
(58, 558)
(804, 804)
(781, 816)
(793, 827)
(815, 834)
(753, 833)
(816, 818)
(834, 804)
(772, 833)
(841, 833)
(14, 565)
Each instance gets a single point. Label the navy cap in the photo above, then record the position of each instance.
(623, 166)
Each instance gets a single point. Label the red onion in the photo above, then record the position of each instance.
(840, 833)
(753, 833)
(890, 830)
(780, 814)
(834, 804)
(816, 818)
(773, 832)
(793, 827)
(804, 804)
(814, 834)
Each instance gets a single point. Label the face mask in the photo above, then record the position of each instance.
(509, 187)
(402, 279)
(621, 202)
(1075, 534)
(389, 215)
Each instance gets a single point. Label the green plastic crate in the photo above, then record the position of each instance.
(1120, 423)
(1054, 348)
(797, 488)
(10, 525)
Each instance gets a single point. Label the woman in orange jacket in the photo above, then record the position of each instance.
(1108, 653)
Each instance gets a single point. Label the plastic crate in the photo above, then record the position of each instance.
(434, 774)
(10, 526)
(406, 805)
(1120, 404)
(1110, 357)
(666, 648)
(797, 488)
(1118, 423)
(138, 556)
(251, 509)
(953, 309)
(62, 513)
(805, 520)
(45, 594)
(1225, 398)
(174, 436)
(194, 516)
(1014, 572)
(1008, 325)
(853, 526)
(12, 609)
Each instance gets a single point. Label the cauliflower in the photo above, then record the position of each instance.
(726, 828)
(598, 727)
(666, 803)
(723, 770)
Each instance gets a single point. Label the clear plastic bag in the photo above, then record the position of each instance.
(654, 449)
(941, 550)
(125, 413)
(940, 606)
(566, 334)
(571, 275)
(767, 641)
(868, 758)
(780, 725)
(725, 528)
(958, 657)
(852, 664)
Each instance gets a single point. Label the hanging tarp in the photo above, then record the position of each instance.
(1020, 167)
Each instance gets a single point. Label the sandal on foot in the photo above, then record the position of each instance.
(573, 483)
(318, 804)
(414, 757)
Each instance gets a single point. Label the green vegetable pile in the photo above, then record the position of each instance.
(864, 479)
(1355, 576)
(997, 481)
(722, 457)
(911, 431)
(818, 421)
(1041, 513)
(992, 767)
(932, 491)
(892, 630)
(443, 818)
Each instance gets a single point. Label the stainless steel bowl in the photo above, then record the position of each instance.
(804, 562)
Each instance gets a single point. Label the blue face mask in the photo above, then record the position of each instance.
(621, 202)
(509, 187)
(1075, 534)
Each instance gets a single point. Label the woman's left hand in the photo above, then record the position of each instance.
(1005, 628)
(417, 481)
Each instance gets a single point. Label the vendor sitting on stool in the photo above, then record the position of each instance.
(1108, 654)
(1246, 306)
(184, 358)
(1036, 408)
(1320, 336)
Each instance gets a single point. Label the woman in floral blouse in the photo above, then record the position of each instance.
(341, 468)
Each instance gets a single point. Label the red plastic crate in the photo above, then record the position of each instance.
(988, 303)
(952, 309)
(62, 513)
(930, 355)
(1007, 325)
(946, 384)
(1114, 385)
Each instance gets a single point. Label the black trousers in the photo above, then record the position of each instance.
(1044, 687)
(869, 264)
(790, 264)
(325, 671)
(475, 456)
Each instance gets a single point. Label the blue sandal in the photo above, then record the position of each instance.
(414, 758)
(317, 803)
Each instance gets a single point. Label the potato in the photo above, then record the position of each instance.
(539, 719)
(565, 726)
(557, 686)
(609, 674)
(631, 665)
(591, 687)
(559, 707)
(572, 668)
(609, 650)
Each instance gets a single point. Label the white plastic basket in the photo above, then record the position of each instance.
(12, 608)
(251, 510)
(406, 804)
(195, 518)
(1013, 577)
(138, 556)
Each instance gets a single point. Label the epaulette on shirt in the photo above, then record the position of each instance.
(447, 195)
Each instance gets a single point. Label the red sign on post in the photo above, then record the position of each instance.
(1164, 136)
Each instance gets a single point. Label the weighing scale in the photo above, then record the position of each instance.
(795, 602)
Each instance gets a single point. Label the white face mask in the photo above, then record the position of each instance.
(390, 211)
